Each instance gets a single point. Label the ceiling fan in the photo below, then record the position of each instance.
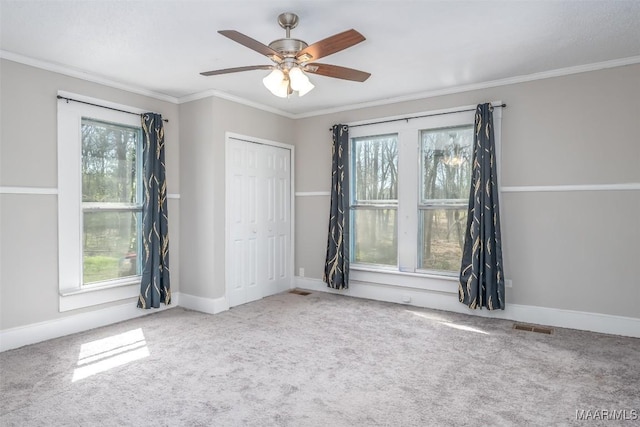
(293, 58)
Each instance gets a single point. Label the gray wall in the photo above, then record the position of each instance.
(202, 144)
(568, 250)
(28, 158)
(195, 159)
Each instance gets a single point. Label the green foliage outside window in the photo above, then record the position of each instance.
(110, 200)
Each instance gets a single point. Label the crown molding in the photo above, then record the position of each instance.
(236, 99)
(72, 72)
(560, 72)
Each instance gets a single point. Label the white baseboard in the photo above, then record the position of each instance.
(595, 322)
(42, 331)
(205, 305)
(37, 332)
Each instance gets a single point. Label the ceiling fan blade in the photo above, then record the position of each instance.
(337, 72)
(330, 45)
(252, 44)
(236, 69)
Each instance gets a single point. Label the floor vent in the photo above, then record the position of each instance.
(299, 292)
(532, 328)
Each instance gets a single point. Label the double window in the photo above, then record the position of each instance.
(410, 183)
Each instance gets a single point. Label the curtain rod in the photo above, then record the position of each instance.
(102, 106)
(419, 117)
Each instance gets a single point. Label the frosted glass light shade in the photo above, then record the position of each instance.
(277, 83)
(281, 85)
(282, 90)
(299, 81)
(273, 80)
(306, 88)
(298, 78)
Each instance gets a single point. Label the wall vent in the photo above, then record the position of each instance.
(299, 292)
(533, 328)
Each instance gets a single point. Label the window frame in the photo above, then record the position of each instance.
(389, 204)
(73, 294)
(118, 207)
(407, 273)
(434, 204)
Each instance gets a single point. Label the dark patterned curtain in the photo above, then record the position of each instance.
(155, 286)
(481, 277)
(336, 268)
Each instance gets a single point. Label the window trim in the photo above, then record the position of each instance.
(425, 205)
(370, 205)
(118, 207)
(72, 293)
(407, 273)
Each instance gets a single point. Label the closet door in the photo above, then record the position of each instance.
(277, 222)
(258, 249)
(243, 197)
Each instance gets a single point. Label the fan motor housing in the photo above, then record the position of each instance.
(288, 47)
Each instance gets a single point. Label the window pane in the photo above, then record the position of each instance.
(109, 162)
(375, 168)
(374, 236)
(442, 232)
(110, 245)
(446, 164)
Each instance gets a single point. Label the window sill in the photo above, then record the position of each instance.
(134, 280)
(72, 299)
(417, 280)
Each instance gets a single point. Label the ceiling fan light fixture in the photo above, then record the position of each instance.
(300, 81)
(273, 80)
(308, 86)
(298, 78)
(282, 90)
(291, 57)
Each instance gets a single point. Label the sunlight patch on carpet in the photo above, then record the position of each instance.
(448, 323)
(108, 353)
(464, 328)
(429, 316)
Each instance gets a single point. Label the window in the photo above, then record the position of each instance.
(99, 202)
(111, 201)
(374, 196)
(445, 178)
(410, 183)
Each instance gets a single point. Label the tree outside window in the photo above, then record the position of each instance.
(111, 200)
(374, 199)
(445, 178)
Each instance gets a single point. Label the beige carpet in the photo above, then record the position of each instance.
(320, 360)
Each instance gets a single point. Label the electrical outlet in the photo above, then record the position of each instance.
(301, 272)
(508, 283)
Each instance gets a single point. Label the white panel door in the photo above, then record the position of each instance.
(243, 198)
(258, 221)
(277, 222)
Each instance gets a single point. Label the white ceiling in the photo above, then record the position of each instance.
(413, 48)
